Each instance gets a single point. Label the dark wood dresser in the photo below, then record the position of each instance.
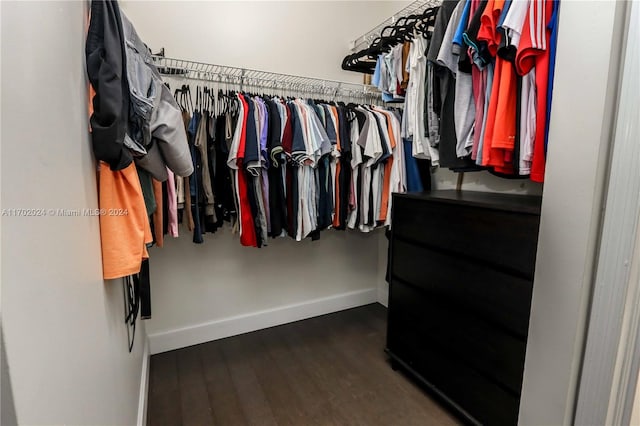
(461, 268)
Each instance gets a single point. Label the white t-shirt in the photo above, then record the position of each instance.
(373, 151)
(390, 85)
(397, 62)
(514, 21)
(414, 102)
(409, 102)
(356, 161)
(384, 74)
(254, 166)
(397, 176)
(398, 156)
(528, 116)
(386, 143)
(232, 161)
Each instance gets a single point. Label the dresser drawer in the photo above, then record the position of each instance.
(423, 324)
(472, 286)
(487, 403)
(504, 239)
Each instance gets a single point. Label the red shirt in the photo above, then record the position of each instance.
(532, 52)
(247, 231)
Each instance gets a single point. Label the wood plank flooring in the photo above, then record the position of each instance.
(329, 370)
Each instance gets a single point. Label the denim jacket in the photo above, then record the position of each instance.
(135, 116)
(155, 120)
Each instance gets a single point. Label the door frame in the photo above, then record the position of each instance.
(611, 360)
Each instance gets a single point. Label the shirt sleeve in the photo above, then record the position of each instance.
(533, 41)
(514, 21)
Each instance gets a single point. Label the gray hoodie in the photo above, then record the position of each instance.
(155, 119)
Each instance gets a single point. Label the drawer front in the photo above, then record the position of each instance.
(501, 238)
(422, 325)
(471, 286)
(487, 403)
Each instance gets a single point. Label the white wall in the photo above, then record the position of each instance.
(485, 182)
(203, 292)
(65, 337)
(307, 38)
(581, 124)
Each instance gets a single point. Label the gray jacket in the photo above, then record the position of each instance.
(156, 128)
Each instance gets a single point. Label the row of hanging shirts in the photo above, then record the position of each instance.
(193, 86)
(476, 79)
(301, 166)
(278, 166)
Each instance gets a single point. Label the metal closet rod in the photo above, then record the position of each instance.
(411, 8)
(193, 70)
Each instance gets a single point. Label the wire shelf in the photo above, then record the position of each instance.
(413, 7)
(245, 78)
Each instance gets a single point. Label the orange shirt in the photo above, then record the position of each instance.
(500, 130)
(124, 225)
(384, 205)
(504, 130)
(489, 24)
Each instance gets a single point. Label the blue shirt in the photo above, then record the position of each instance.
(462, 25)
(375, 80)
(503, 15)
(553, 26)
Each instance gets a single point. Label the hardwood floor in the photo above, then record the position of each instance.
(329, 370)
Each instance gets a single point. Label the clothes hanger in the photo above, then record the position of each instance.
(205, 98)
(188, 98)
(183, 102)
(364, 61)
(211, 98)
(427, 20)
(394, 36)
(214, 99)
(176, 96)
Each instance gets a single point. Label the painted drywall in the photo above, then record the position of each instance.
(580, 131)
(64, 331)
(307, 38)
(485, 182)
(220, 278)
(199, 287)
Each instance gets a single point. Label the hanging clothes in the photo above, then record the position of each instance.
(301, 166)
(479, 86)
(135, 129)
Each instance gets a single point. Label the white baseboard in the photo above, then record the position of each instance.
(232, 326)
(383, 293)
(144, 385)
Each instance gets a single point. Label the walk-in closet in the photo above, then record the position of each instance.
(222, 213)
